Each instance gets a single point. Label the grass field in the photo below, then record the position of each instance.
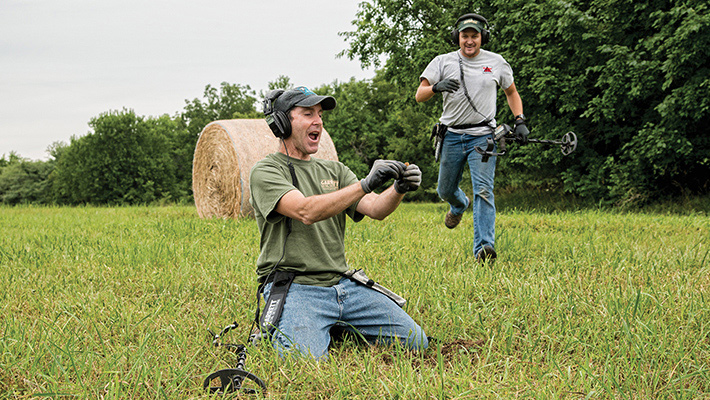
(115, 303)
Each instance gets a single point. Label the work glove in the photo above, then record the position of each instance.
(381, 172)
(410, 181)
(446, 85)
(521, 131)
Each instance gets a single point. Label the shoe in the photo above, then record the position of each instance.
(452, 220)
(487, 253)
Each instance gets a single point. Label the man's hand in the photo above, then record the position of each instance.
(521, 131)
(410, 181)
(381, 172)
(446, 85)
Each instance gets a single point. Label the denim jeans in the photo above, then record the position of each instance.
(311, 311)
(456, 150)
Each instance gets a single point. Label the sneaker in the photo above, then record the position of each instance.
(452, 220)
(487, 253)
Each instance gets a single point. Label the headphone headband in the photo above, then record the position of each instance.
(485, 33)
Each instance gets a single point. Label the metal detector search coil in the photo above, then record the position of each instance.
(503, 134)
(232, 379)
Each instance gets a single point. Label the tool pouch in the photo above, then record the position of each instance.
(438, 133)
(358, 276)
(275, 303)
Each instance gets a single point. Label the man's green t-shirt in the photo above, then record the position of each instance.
(309, 248)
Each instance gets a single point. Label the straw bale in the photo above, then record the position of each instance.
(224, 155)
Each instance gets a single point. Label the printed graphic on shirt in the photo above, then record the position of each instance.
(487, 70)
(329, 185)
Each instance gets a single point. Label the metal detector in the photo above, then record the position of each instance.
(233, 379)
(504, 134)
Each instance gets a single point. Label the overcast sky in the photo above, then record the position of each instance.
(63, 62)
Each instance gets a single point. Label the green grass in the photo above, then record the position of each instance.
(115, 303)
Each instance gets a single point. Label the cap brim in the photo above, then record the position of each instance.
(469, 25)
(327, 102)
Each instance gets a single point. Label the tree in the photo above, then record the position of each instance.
(356, 124)
(281, 82)
(230, 102)
(125, 160)
(629, 78)
(23, 181)
(365, 126)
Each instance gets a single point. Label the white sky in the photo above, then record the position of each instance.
(63, 62)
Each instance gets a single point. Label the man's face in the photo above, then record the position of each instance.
(306, 129)
(470, 42)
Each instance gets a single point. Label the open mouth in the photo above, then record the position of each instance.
(313, 136)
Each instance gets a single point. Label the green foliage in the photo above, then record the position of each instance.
(629, 78)
(131, 159)
(229, 102)
(23, 181)
(356, 124)
(281, 82)
(124, 161)
(367, 124)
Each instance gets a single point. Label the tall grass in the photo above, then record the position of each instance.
(115, 302)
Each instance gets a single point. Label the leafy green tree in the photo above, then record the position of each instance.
(4, 162)
(281, 82)
(629, 78)
(23, 181)
(125, 160)
(365, 126)
(231, 101)
(356, 124)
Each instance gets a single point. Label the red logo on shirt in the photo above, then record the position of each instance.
(487, 70)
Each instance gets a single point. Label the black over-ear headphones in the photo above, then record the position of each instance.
(485, 33)
(278, 121)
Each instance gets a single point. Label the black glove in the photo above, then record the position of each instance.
(381, 172)
(447, 85)
(410, 181)
(521, 131)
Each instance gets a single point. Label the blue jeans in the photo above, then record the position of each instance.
(311, 311)
(456, 150)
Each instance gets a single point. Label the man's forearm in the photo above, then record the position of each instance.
(316, 208)
(379, 206)
(514, 101)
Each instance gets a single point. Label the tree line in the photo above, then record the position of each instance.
(629, 78)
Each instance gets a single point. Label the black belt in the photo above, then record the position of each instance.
(467, 126)
(270, 278)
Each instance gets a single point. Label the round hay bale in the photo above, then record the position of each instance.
(224, 155)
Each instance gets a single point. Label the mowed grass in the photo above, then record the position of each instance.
(115, 303)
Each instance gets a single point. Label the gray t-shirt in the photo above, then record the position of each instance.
(483, 74)
(308, 249)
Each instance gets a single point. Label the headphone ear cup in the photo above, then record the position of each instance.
(485, 37)
(279, 123)
(455, 37)
(283, 123)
